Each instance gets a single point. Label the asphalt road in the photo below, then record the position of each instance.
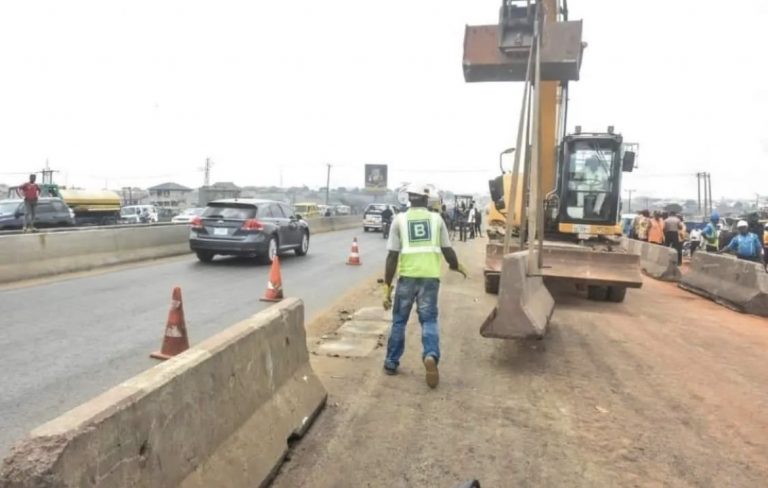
(64, 340)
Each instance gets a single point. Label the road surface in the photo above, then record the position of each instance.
(666, 389)
(62, 341)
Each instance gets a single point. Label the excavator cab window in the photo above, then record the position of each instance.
(590, 189)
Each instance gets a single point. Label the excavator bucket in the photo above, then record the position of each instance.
(587, 267)
(525, 305)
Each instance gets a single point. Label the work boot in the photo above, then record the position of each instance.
(433, 376)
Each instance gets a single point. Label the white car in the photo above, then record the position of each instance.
(372, 216)
(132, 214)
(186, 216)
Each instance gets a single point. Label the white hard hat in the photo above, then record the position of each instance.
(766, 226)
(423, 189)
(742, 223)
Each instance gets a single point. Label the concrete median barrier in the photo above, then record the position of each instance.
(34, 255)
(219, 414)
(740, 285)
(656, 261)
(27, 256)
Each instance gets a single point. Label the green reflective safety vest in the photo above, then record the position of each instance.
(420, 253)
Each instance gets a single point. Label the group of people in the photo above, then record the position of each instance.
(468, 220)
(668, 229)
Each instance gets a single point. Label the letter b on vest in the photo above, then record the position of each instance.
(419, 231)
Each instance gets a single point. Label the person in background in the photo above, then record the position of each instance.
(711, 234)
(656, 229)
(30, 191)
(446, 216)
(642, 225)
(765, 244)
(386, 221)
(462, 220)
(478, 222)
(471, 220)
(672, 228)
(695, 240)
(746, 245)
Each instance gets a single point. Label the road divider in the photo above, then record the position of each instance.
(656, 261)
(736, 284)
(27, 256)
(219, 414)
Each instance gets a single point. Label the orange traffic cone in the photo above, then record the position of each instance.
(175, 340)
(354, 254)
(275, 284)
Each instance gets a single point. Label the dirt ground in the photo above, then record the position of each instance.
(666, 389)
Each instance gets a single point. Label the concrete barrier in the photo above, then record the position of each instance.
(34, 255)
(656, 261)
(27, 256)
(737, 284)
(219, 414)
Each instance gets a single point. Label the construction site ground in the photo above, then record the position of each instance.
(666, 389)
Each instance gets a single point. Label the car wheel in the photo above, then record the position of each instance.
(205, 256)
(365, 229)
(304, 246)
(271, 251)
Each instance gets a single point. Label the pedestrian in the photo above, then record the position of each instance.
(711, 233)
(471, 220)
(672, 227)
(416, 242)
(746, 245)
(656, 229)
(478, 222)
(765, 244)
(643, 223)
(462, 214)
(695, 240)
(30, 191)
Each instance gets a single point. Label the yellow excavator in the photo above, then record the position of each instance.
(555, 216)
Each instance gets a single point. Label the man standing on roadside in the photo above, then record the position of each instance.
(30, 191)
(745, 244)
(417, 242)
(672, 227)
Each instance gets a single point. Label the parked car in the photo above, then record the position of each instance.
(132, 214)
(372, 216)
(187, 215)
(50, 212)
(249, 228)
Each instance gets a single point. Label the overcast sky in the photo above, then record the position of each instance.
(141, 92)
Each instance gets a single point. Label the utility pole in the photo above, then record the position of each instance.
(328, 185)
(709, 193)
(698, 190)
(629, 204)
(207, 172)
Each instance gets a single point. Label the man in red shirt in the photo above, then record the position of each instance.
(31, 192)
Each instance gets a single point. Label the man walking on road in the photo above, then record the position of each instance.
(656, 229)
(711, 234)
(417, 240)
(30, 191)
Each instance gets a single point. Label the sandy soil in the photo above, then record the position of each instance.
(666, 389)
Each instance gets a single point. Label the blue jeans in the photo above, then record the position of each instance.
(424, 292)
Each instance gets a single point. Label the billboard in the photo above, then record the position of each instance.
(376, 177)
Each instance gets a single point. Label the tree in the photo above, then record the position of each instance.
(673, 208)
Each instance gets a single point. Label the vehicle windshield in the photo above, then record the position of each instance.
(230, 212)
(8, 208)
(375, 209)
(590, 183)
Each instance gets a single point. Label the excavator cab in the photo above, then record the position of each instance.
(588, 196)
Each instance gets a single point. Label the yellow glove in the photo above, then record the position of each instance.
(461, 269)
(387, 303)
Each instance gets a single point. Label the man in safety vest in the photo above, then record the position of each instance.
(711, 234)
(417, 242)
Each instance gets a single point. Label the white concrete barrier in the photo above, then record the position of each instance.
(656, 261)
(27, 256)
(218, 415)
(737, 284)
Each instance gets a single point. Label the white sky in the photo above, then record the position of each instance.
(141, 92)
